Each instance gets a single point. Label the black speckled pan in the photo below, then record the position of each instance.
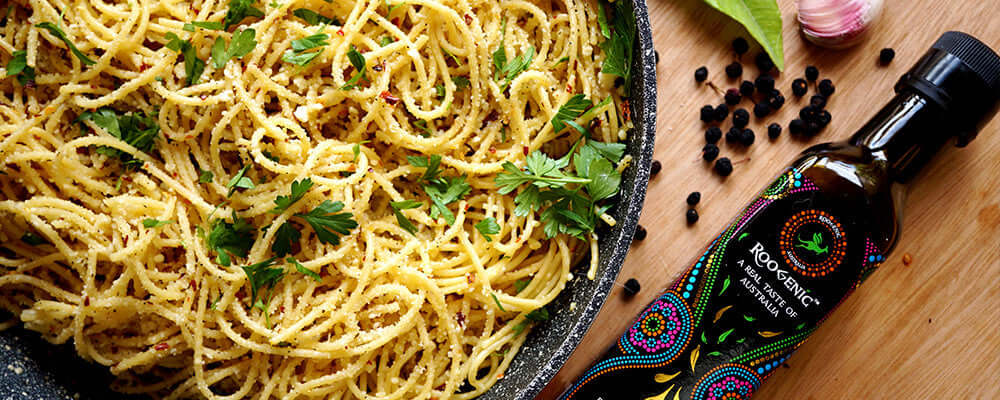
(31, 368)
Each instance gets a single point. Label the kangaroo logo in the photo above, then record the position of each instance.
(814, 244)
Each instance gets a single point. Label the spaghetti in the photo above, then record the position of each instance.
(104, 240)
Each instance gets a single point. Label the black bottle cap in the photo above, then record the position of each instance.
(961, 75)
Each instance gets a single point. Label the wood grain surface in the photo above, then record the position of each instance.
(929, 330)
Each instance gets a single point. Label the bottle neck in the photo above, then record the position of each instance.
(906, 134)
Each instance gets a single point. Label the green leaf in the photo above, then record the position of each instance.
(725, 285)
(242, 44)
(749, 318)
(205, 176)
(300, 59)
(155, 223)
(762, 19)
(18, 62)
(299, 189)
(602, 21)
(240, 10)
(262, 276)
(432, 164)
(58, 33)
(461, 82)
(516, 66)
(286, 237)
(703, 339)
(215, 26)
(239, 181)
(136, 129)
(405, 223)
(520, 284)
(604, 180)
(358, 62)
(385, 41)
(561, 60)
(313, 18)
(500, 54)
(538, 315)
(303, 270)
(230, 239)
(715, 353)
(422, 125)
(724, 335)
(310, 42)
(611, 151)
(618, 50)
(500, 306)
(488, 227)
(32, 239)
(575, 106)
(446, 191)
(193, 66)
(327, 222)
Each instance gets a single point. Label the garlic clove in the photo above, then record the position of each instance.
(837, 24)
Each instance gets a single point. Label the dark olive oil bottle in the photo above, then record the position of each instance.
(798, 250)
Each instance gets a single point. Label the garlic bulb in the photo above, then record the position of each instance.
(837, 24)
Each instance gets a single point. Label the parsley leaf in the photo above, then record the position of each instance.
(261, 276)
(500, 54)
(385, 41)
(240, 10)
(358, 61)
(303, 270)
(405, 223)
(136, 129)
(618, 52)
(300, 59)
(461, 82)
(538, 315)
(242, 44)
(299, 189)
(313, 18)
(239, 181)
(18, 65)
(205, 176)
(508, 70)
(520, 284)
(542, 171)
(575, 106)
(432, 165)
(56, 31)
(445, 191)
(488, 227)
(32, 239)
(325, 220)
(297, 55)
(155, 223)
(215, 26)
(193, 66)
(602, 21)
(286, 236)
(423, 126)
(500, 306)
(230, 239)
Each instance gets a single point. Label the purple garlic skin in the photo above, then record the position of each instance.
(837, 24)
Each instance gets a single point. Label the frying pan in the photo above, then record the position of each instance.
(31, 368)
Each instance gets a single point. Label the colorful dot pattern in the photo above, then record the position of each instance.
(789, 236)
(727, 382)
(664, 326)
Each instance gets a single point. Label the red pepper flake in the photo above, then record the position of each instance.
(340, 32)
(493, 150)
(569, 88)
(161, 346)
(143, 67)
(389, 98)
(524, 150)
(281, 309)
(395, 21)
(626, 111)
(194, 285)
(470, 278)
(86, 301)
(461, 319)
(468, 19)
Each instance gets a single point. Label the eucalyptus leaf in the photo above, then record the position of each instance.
(762, 19)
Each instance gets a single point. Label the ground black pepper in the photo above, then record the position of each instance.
(713, 134)
(709, 152)
(734, 70)
(733, 96)
(632, 287)
(741, 118)
(691, 215)
(654, 168)
(886, 55)
(773, 130)
(693, 198)
(812, 73)
(723, 166)
(799, 87)
(701, 74)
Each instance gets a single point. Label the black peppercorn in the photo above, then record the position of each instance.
(640, 233)
(691, 215)
(764, 83)
(713, 134)
(775, 102)
(740, 46)
(733, 135)
(886, 55)
(733, 96)
(812, 73)
(734, 70)
(773, 130)
(826, 87)
(746, 137)
(654, 168)
(823, 118)
(721, 112)
(817, 101)
(694, 198)
(809, 113)
(760, 110)
(708, 113)
(701, 74)
(741, 118)
(709, 152)
(812, 128)
(799, 87)
(632, 287)
(723, 166)
(797, 126)
(656, 55)
(746, 88)
(764, 62)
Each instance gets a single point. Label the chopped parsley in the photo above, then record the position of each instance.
(56, 31)
(313, 18)
(618, 52)
(538, 315)
(32, 239)
(509, 69)
(303, 270)
(240, 181)
(286, 236)
(488, 227)
(298, 54)
(461, 82)
(299, 190)
(358, 62)
(230, 239)
(328, 222)
(136, 129)
(441, 190)
(205, 176)
(193, 66)
(262, 277)
(18, 65)
(215, 26)
(385, 41)
(568, 112)
(242, 44)
(495, 299)
(240, 10)
(520, 284)
(155, 223)
(405, 223)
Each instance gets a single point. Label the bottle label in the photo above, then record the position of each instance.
(745, 305)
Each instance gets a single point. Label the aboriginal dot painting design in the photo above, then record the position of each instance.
(727, 382)
(787, 183)
(829, 252)
(665, 327)
(873, 258)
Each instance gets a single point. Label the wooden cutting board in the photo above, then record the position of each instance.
(929, 330)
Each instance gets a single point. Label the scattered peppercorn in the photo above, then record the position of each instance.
(764, 62)
(692, 216)
(817, 101)
(721, 112)
(823, 118)
(654, 168)
(760, 110)
(723, 166)
(826, 87)
(812, 128)
(809, 113)
(746, 137)
(797, 126)
(799, 87)
(812, 73)
(656, 54)
(707, 113)
(709, 152)
(701, 74)
(733, 135)
(640, 233)
(713, 134)
(773, 130)
(746, 88)
(694, 198)
(775, 102)
(734, 70)
(741, 118)
(733, 96)
(632, 287)
(886, 55)
(740, 46)
(764, 83)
